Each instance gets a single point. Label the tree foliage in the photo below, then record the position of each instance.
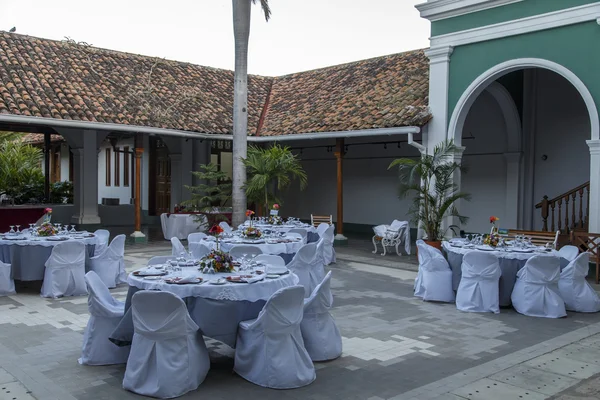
(20, 171)
(214, 192)
(429, 178)
(271, 169)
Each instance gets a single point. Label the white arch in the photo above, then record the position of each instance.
(510, 113)
(465, 101)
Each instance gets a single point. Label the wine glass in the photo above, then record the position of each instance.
(73, 230)
(18, 230)
(12, 230)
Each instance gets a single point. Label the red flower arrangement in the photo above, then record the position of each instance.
(494, 219)
(216, 230)
(249, 213)
(275, 206)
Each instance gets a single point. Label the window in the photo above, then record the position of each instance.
(126, 166)
(107, 167)
(117, 167)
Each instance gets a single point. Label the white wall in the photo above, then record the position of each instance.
(123, 193)
(562, 129)
(370, 189)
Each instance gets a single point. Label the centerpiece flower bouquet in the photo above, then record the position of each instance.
(493, 238)
(275, 220)
(46, 229)
(216, 231)
(249, 214)
(47, 215)
(218, 260)
(252, 232)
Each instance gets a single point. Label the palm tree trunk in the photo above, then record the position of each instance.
(241, 31)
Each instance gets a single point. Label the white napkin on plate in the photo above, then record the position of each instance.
(151, 271)
(188, 279)
(253, 279)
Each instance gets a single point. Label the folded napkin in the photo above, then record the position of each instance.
(253, 279)
(151, 271)
(188, 279)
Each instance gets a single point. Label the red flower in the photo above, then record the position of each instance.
(493, 219)
(215, 230)
(249, 213)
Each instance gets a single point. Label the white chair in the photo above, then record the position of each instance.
(536, 291)
(164, 222)
(65, 271)
(226, 228)
(196, 237)
(569, 252)
(7, 285)
(435, 280)
(307, 265)
(157, 260)
(322, 337)
(239, 250)
(270, 350)
(110, 264)
(576, 292)
(270, 260)
(168, 355)
(198, 250)
(177, 248)
(419, 289)
(302, 232)
(322, 228)
(479, 289)
(328, 250)
(102, 238)
(392, 236)
(105, 314)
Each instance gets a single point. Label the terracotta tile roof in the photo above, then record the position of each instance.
(37, 138)
(64, 80)
(382, 92)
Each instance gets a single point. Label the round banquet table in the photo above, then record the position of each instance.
(28, 256)
(287, 251)
(510, 263)
(217, 309)
(311, 231)
(180, 225)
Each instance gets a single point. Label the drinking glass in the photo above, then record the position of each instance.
(73, 230)
(18, 230)
(243, 261)
(12, 230)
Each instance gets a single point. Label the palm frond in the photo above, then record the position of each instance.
(264, 4)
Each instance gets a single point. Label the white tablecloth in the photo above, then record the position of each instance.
(180, 225)
(267, 248)
(27, 257)
(510, 263)
(212, 307)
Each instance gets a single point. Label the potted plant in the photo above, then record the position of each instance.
(429, 178)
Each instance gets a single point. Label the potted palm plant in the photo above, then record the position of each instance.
(429, 178)
(271, 169)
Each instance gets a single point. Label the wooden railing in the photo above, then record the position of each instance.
(572, 216)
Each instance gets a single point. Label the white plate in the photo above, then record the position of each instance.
(219, 281)
(484, 248)
(277, 270)
(272, 276)
(152, 278)
(522, 250)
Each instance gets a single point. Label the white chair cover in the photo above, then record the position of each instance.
(576, 292)
(164, 224)
(322, 228)
(536, 291)
(157, 260)
(105, 314)
(270, 260)
(65, 271)
(168, 356)
(226, 228)
(110, 264)
(569, 252)
(7, 285)
(328, 250)
(435, 282)
(302, 232)
(102, 238)
(418, 287)
(196, 237)
(270, 350)
(322, 337)
(198, 250)
(308, 267)
(177, 248)
(479, 288)
(240, 250)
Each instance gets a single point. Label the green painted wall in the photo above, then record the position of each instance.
(576, 47)
(526, 8)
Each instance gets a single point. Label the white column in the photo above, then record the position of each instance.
(456, 179)
(175, 179)
(85, 187)
(439, 78)
(594, 201)
(513, 175)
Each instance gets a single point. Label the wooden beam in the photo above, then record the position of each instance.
(339, 155)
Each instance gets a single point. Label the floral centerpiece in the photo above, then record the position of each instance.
(275, 220)
(216, 231)
(494, 229)
(46, 229)
(218, 260)
(492, 240)
(252, 232)
(47, 215)
(275, 209)
(249, 214)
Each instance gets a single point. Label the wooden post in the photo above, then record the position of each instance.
(47, 145)
(339, 155)
(137, 204)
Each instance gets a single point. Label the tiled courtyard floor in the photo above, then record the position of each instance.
(395, 346)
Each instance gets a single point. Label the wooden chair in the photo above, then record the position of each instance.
(588, 242)
(538, 238)
(315, 220)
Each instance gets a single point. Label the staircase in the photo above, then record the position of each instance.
(570, 208)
